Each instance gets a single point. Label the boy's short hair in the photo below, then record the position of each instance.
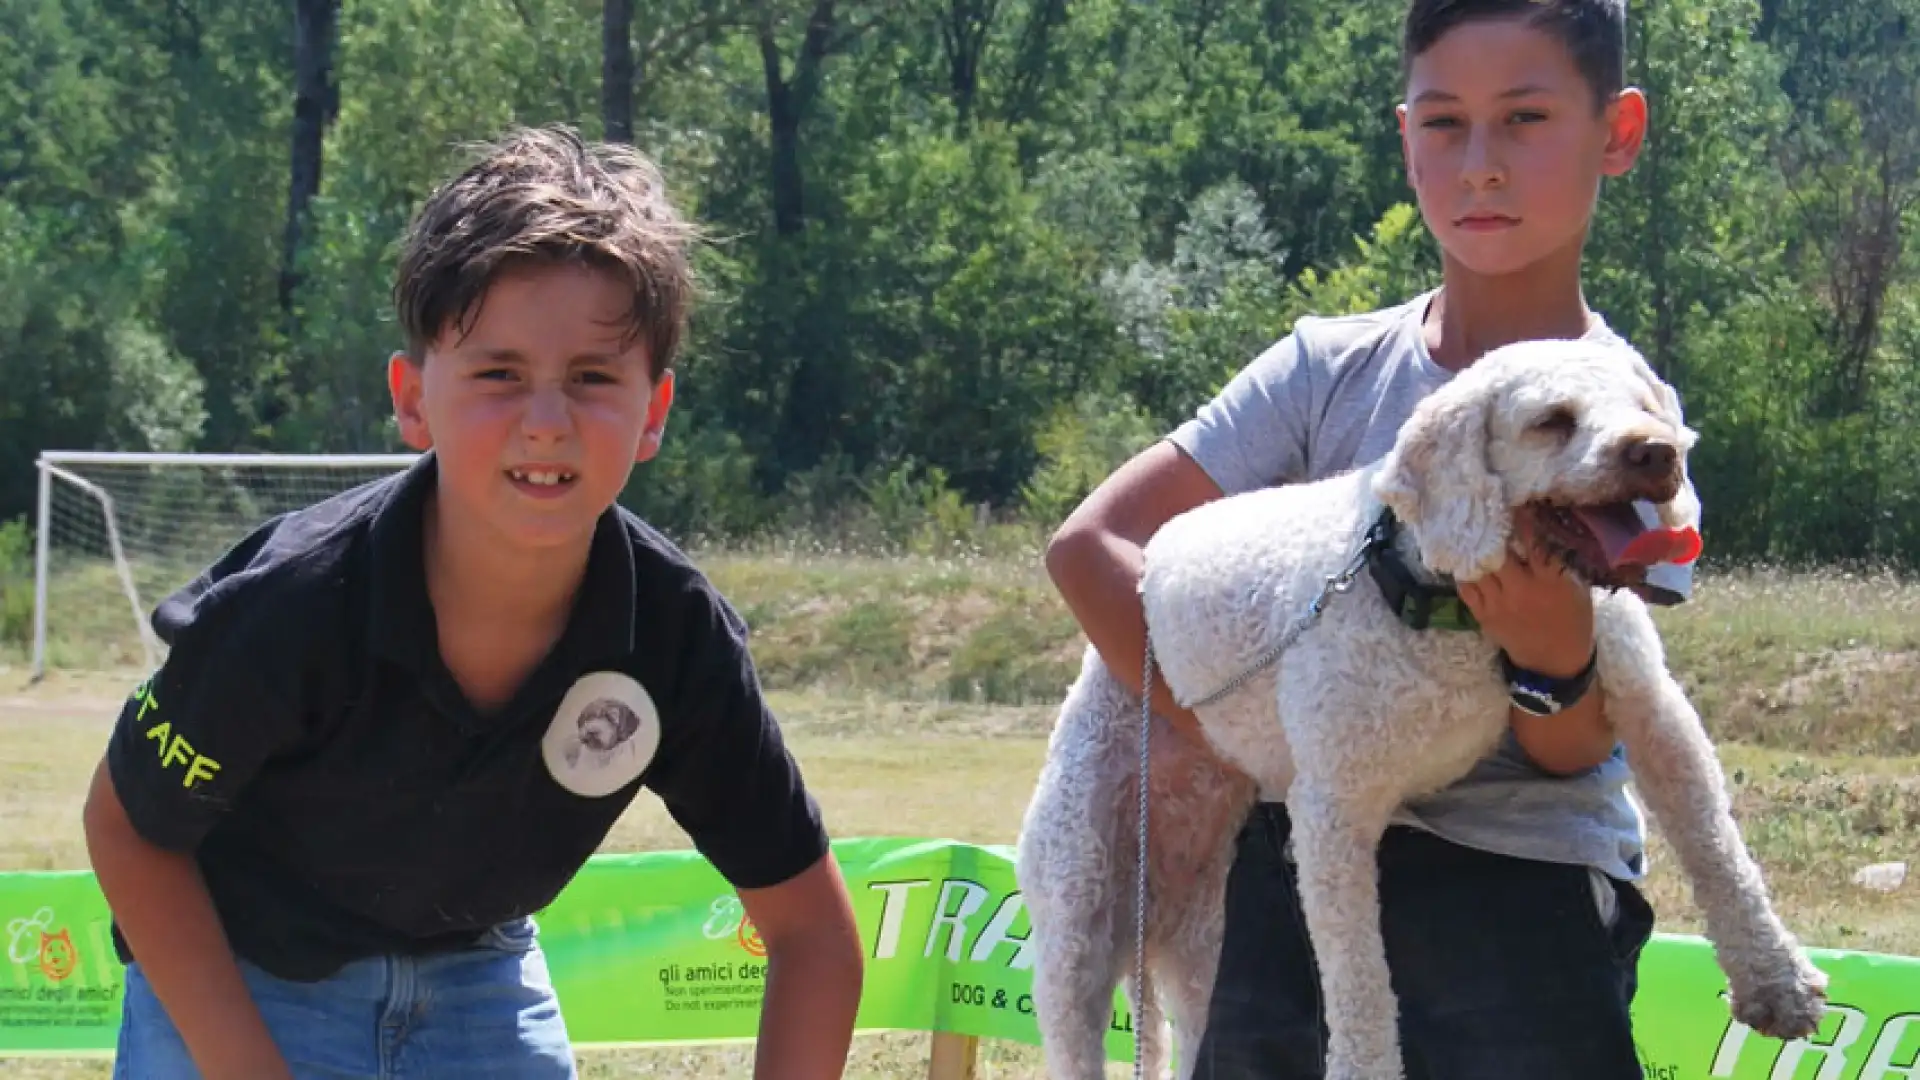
(544, 196)
(1594, 31)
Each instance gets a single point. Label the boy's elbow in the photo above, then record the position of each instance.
(1065, 549)
(1081, 561)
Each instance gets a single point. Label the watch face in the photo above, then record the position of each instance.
(1538, 702)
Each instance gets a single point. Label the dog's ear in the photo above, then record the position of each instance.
(1437, 479)
(1669, 399)
(1684, 508)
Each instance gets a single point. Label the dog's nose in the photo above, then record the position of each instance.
(1650, 457)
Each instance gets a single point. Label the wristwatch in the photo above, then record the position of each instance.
(1543, 695)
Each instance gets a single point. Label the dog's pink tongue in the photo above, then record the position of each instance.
(1629, 542)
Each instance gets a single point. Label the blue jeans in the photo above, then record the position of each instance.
(487, 1013)
(1504, 968)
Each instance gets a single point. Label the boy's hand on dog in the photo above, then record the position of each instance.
(1534, 609)
(1543, 617)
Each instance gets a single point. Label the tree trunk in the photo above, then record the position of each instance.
(616, 70)
(783, 123)
(963, 36)
(316, 102)
(1033, 62)
(787, 102)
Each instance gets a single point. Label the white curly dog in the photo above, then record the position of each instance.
(1571, 433)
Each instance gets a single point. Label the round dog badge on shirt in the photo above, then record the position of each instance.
(603, 736)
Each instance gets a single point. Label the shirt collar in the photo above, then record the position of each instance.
(401, 623)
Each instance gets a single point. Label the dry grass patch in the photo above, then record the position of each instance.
(1811, 823)
(1821, 663)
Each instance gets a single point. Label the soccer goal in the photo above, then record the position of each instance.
(115, 532)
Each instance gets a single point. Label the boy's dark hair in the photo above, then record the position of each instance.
(1594, 31)
(543, 196)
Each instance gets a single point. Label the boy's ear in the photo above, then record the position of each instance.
(404, 384)
(657, 408)
(1626, 131)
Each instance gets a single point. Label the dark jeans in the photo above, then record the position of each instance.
(1503, 967)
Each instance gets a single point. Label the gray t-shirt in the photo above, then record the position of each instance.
(1331, 397)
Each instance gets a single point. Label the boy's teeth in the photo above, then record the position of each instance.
(538, 476)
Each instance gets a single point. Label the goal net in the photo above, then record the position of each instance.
(116, 532)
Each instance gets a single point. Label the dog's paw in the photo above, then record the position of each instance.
(1788, 1008)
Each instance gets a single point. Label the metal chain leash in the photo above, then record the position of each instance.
(1337, 583)
(1334, 584)
(1140, 886)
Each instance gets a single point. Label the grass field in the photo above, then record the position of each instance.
(918, 694)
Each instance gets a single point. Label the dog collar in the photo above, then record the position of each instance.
(1415, 603)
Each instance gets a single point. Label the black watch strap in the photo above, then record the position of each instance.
(1543, 695)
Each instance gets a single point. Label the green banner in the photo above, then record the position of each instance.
(652, 948)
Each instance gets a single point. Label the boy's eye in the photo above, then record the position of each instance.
(1438, 122)
(493, 373)
(1529, 117)
(597, 378)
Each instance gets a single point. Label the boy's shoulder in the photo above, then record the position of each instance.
(1302, 407)
(656, 557)
(282, 581)
(1339, 341)
(667, 580)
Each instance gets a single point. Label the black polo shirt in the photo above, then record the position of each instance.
(305, 740)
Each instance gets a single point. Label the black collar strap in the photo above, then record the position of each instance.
(1413, 602)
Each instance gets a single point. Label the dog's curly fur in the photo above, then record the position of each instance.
(1361, 713)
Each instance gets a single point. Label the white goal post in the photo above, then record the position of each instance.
(114, 532)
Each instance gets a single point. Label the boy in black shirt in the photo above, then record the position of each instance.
(394, 724)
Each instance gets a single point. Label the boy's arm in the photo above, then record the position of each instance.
(162, 907)
(187, 743)
(1252, 434)
(725, 775)
(1096, 555)
(814, 974)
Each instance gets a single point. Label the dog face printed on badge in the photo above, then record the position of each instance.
(603, 736)
(606, 724)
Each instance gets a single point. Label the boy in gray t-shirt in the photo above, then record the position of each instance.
(1330, 398)
(1512, 924)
